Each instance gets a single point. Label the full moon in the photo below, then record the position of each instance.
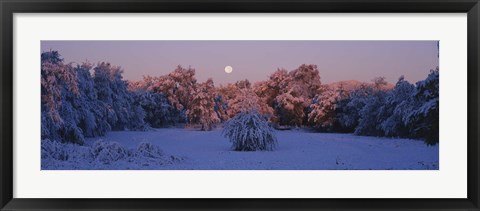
(228, 69)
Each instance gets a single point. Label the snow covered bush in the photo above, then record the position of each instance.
(102, 155)
(108, 152)
(148, 150)
(55, 154)
(52, 150)
(249, 131)
(149, 154)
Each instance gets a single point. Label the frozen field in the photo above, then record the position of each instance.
(297, 149)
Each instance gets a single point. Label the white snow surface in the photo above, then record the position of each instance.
(297, 150)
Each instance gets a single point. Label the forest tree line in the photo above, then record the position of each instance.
(85, 100)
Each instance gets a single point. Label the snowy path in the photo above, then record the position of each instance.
(296, 150)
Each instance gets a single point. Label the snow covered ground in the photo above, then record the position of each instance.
(297, 149)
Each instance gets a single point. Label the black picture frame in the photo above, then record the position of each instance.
(9, 7)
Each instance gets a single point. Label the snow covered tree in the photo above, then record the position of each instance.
(291, 106)
(246, 100)
(239, 97)
(146, 84)
(324, 108)
(221, 106)
(307, 77)
(424, 118)
(249, 131)
(268, 90)
(113, 92)
(228, 91)
(397, 103)
(243, 84)
(91, 114)
(58, 88)
(271, 88)
(202, 106)
(301, 86)
(379, 83)
(348, 108)
(178, 86)
(369, 121)
(158, 111)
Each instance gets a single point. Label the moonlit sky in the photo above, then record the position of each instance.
(256, 60)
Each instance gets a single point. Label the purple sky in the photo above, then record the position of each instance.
(256, 60)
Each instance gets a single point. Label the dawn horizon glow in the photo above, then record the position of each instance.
(256, 60)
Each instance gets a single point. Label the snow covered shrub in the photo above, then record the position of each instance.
(52, 150)
(148, 153)
(64, 151)
(78, 153)
(102, 155)
(55, 154)
(108, 152)
(148, 150)
(249, 131)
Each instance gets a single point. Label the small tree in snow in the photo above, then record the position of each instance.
(249, 131)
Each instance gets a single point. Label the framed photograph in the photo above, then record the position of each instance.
(225, 105)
